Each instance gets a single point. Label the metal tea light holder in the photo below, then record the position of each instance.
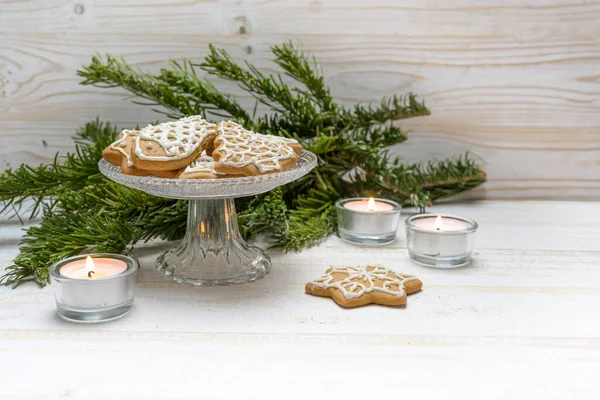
(94, 300)
(368, 228)
(440, 248)
(212, 251)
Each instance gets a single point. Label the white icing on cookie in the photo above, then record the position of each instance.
(243, 147)
(178, 139)
(205, 164)
(360, 281)
(121, 143)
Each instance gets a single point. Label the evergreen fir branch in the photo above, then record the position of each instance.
(263, 213)
(61, 235)
(310, 221)
(446, 178)
(377, 136)
(153, 217)
(179, 88)
(391, 109)
(387, 135)
(453, 169)
(114, 72)
(301, 231)
(269, 90)
(71, 172)
(203, 94)
(296, 65)
(96, 133)
(276, 123)
(167, 222)
(416, 185)
(103, 217)
(322, 145)
(421, 184)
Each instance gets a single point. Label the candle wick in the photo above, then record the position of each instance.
(90, 274)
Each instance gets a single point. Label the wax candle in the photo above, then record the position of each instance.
(439, 223)
(94, 288)
(443, 241)
(370, 205)
(93, 268)
(368, 221)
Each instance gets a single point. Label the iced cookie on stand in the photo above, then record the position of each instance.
(202, 168)
(119, 153)
(361, 285)
(143, 172)
(172, 145)
(238, 151)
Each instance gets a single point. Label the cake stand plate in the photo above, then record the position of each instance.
(212, 251)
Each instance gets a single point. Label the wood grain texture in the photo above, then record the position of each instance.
(520, 322)
(517, 84)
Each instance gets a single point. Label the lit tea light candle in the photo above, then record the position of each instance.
(368, 221)
(443, 241)
(94, 288)
(370, 205)
(441, 224)
(93, 268)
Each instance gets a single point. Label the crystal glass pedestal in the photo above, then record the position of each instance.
(212, 251)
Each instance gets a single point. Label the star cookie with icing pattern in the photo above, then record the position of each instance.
(357, 286)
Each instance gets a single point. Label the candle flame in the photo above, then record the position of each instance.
(438, 223)
(90, 267)
(371, 204)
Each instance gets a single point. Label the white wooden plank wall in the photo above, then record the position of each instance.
(514, 82)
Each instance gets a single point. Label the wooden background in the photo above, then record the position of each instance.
(515, 82)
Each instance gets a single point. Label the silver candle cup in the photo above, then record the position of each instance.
(368, 227)
(94, 300)
(440, 248)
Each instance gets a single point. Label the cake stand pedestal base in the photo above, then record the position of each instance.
(213, 251)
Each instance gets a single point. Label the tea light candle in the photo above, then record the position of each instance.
(370, 205)
(440, 224)
(95, 287)
(443, 241)
(93, 269)
(368, 221)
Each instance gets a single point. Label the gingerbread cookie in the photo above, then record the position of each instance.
(172, 145)
(202, 168)
(119, 152)
(209, 150)
(360, 285)
(144, 172)
(242, 152)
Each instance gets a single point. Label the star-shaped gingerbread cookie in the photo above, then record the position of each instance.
(361, 285)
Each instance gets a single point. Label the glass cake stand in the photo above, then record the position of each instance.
(212, 251)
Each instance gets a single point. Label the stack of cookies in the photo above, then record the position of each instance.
(193, 148)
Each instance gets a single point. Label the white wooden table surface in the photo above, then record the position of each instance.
(522, 322)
